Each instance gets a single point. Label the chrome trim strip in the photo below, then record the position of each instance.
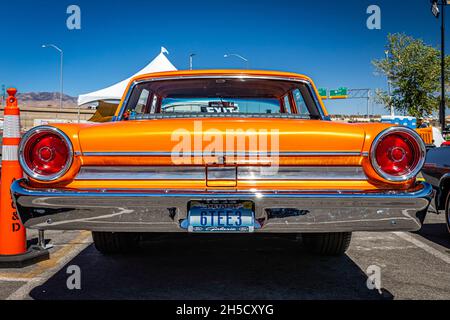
(420, 163)
(125, 101)
(141, 173)
(197, 116)
(219, 173)
(301, 173)
(21, 186)
(228, 154)
(37, 130)
(316, 100)
(162, 210)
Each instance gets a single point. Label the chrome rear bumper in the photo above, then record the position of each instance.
(164, 210)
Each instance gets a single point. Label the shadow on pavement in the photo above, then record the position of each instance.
(213, 267)
(437, 233)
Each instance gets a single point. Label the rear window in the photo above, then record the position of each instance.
(208, 105)
(207, 96)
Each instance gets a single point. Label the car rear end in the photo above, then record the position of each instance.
(218, 170)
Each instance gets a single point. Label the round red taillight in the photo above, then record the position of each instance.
(398, 154)
(45, 153)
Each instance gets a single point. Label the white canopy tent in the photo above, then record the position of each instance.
(115, 92)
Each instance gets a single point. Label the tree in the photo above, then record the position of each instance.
(413, 68)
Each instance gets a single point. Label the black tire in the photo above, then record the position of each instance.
(327, 244)
(115, 242)
(447, 212)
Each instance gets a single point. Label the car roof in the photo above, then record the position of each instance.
(219, 72)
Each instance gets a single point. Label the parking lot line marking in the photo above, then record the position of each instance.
(380, 237)
(444, 257)
(361, 248)
(47, 269)
(44, 265)
(7, 279)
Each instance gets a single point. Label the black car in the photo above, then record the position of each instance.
(437, 172)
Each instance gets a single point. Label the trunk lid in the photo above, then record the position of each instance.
(231, 135)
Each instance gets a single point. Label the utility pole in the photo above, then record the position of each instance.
(436, 12)
(3, 94)
(391, 107)
(368, 105)
(442, 108)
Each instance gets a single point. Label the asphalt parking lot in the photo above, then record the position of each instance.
(413, 266)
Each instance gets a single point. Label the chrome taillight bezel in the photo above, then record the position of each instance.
(38, 130)
(420, 162)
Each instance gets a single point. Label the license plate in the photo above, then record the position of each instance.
(221, 217)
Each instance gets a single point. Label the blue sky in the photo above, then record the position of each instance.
(327, 40)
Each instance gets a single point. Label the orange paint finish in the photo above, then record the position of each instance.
(240, 161)
(165, 134)
(426, 134)
(238, 135)
(136, 184)
(241, 185)
(307, 185)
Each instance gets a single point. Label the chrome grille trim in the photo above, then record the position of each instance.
(244, 173)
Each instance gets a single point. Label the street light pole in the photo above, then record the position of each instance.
(247, 63)
(3, 94)
(391, 107)
(191, 58)
(442, 107)
(61, 72)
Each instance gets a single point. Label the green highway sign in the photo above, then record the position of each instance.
(341, 93)
(323, 93)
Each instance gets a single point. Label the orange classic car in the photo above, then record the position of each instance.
(222, 151)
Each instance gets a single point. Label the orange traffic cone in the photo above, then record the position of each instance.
(13, 240)
(12, 232)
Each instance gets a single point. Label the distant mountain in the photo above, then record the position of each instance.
(46, 99)
(44, 96)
